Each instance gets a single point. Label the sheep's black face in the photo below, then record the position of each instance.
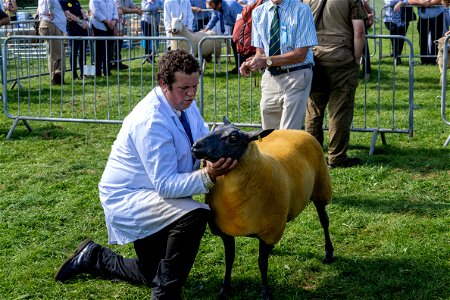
(225, 141)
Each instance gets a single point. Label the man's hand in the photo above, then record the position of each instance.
(220, 167)
(252, 64)
(245, 69)
(111, 24)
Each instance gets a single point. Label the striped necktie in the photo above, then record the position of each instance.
(274, 46)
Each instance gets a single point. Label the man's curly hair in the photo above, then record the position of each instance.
(176, 61)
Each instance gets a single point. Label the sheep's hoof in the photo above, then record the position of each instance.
(329, 257)
(225, 292)
(265, 294)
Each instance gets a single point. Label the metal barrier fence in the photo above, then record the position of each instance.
(92, 99)
(382, 106)
(417, 30)
(445, 62)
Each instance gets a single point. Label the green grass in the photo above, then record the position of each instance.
(390, 217)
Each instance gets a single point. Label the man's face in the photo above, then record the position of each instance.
(183, 90)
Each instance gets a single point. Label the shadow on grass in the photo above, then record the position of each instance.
(45, 130)
(436, 159)
(354, 278)
(401, 205)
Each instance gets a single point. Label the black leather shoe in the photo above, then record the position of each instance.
(347, 163)
(78, 263)
(234, 71)
(123, 66)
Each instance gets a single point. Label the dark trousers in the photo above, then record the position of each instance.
(333, 87)
(164, 259)
(434, 26)
(397, 44)
(77, 50)
(117, 51)
(103, 52)
(365, 61)
(148, 30)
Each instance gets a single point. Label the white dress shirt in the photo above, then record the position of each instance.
(102, 10)
(45, 7)
(149, 181)
(177, 8)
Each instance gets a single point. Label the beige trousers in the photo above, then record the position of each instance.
(55, 49)
(284, 98)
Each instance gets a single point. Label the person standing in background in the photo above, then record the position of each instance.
(201, 18)
(10, 7)
(123, 7)
(431, 23)
(53, 22)
(104, 21)
(151, 17)
(397, 23)
(225, 12)
(341, 35)
(177, 9)
(77, 25)
(283, 32)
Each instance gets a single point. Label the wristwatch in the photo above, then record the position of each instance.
(268, 61)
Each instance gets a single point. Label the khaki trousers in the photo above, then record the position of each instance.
(333, 86)
(55, 50)
(283, 99)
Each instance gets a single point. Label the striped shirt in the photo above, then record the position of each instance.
(297, 29)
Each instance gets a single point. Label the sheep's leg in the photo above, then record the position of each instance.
(325, 222)
(230, 253)
(263, 263)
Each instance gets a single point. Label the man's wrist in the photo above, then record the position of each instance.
(207, 182)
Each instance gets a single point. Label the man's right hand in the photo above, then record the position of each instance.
(220, 167)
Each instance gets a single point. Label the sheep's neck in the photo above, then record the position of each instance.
(252, 163)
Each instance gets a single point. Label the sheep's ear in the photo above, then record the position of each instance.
(171, 15)
(181, 16)
(258, 135)
(226, 121)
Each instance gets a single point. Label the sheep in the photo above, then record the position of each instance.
(440, 57)
(209, 47)
(278, 172)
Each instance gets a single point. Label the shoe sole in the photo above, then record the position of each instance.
(77, 251)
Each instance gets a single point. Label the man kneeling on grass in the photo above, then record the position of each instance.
(147, 186)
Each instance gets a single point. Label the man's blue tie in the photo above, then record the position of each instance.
(186, 126)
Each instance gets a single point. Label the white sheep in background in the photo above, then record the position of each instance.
(209, 47)
(274, 180)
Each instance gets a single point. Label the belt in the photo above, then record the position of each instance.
(275, 71)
